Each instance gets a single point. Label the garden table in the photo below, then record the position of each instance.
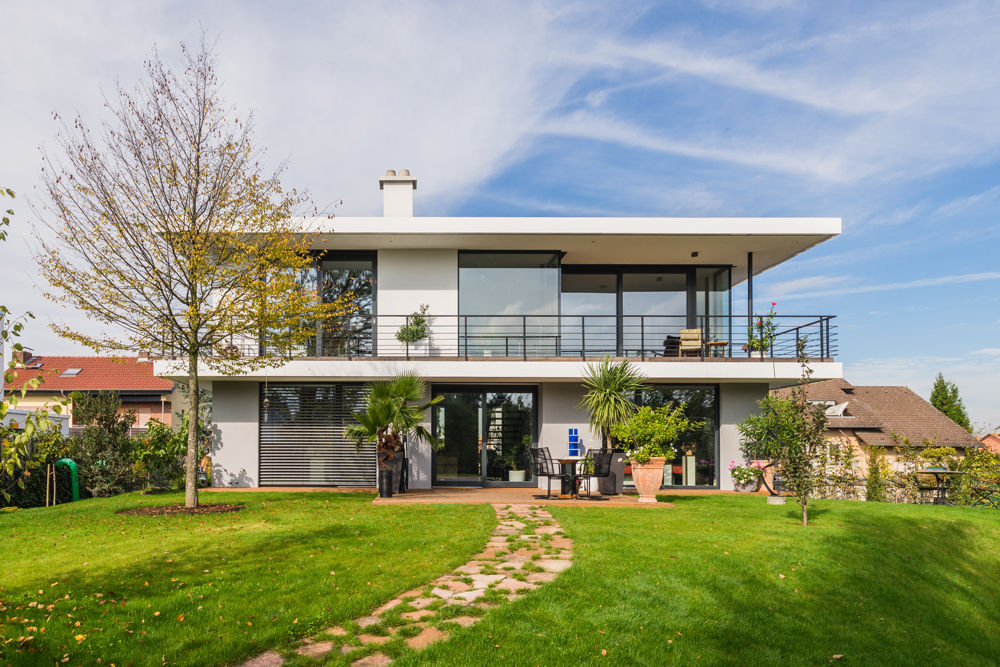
(941, 494)
(568, 469)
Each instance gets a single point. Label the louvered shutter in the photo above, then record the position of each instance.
(302, 436)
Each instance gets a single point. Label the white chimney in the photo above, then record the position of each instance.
(397, 193)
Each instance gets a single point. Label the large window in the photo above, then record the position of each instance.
(349, 275)
(654, 309)
(696, 462)
(713, 300)
(589, 307)
(508, 303)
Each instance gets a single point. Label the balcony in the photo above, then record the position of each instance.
(668, 338)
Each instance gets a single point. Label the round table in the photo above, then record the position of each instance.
(568, 469)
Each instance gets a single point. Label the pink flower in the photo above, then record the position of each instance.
(774, 303)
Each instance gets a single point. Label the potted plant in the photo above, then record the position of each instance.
(761, 334)
(413, 334)
(514, 457)
(393, 414)
(650, 435)
(746, 478)
(610, 389)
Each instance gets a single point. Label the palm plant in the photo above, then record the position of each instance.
(610, 387)
(393, 413)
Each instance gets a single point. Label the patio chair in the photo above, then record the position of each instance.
(599, 463)
(691, 343)
(546, 467)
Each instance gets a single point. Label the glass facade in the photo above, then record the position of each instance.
(696, 462)
(654, 310)
(588, 324)
(486, 435)
(353, 333)
(508, 303)
(712, 302)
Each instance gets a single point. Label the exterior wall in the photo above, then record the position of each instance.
(558, 412)
(144, 410)
(736, 403)
(235, 426)
(408, 278)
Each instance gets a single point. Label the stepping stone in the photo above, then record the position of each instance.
(470, 595)
(315, 650)
(267, 659)
(420, 603)
(443, 593)
(346, 648)
(374, 639)
(542, 577)
(458, 586)
(484, 580)
(426, 637)
(514, 585)
(469, 569)
(548, 530)
(373, 660)
(511, 565)
(387, 606)
(415, 593)
(368, 621)
(336, 631)
(553, 565)
(419, 614)
(517, 525)
(464, 621)
(561, 543)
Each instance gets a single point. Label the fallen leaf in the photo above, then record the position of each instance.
(80, 638)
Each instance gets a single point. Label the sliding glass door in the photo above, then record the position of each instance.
(486, 435)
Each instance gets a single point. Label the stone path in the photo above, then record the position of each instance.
(526, 550)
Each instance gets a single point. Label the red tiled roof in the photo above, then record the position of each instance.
(879, 411)
(96, 373)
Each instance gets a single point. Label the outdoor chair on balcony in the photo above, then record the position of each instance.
(546, 467)
(691, 344)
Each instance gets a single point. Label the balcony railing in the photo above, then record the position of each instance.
(645, 337)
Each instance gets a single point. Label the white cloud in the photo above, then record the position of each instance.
(912, 284)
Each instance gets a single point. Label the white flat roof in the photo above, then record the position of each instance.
(589, 240)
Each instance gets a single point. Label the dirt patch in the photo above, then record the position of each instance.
(164, 510)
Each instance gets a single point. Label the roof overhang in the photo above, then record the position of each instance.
(724, 241)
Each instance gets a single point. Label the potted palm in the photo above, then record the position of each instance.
(610, 389)
(650, 436)
(393, 413)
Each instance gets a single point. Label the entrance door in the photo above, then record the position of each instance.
(487, 434)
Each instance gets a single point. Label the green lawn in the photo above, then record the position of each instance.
(731, 580)
(715, 579)
(212, 589)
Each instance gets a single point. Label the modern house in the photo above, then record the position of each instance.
(516, 309)
(863, 416)
(141, 391)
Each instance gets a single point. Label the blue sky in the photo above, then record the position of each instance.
(884, 114)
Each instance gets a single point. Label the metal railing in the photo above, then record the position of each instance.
(645, 337)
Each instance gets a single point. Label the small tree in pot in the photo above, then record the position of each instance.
(393, 413)
(610, 389)
(650, 435)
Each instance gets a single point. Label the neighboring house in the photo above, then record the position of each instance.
(517, 307)
(147, 395)
(862, 416)
(991, 441)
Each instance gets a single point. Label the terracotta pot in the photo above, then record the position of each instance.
(648, 478)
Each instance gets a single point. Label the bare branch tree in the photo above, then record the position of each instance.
(167, 229)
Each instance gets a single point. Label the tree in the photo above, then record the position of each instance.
(17, 458)
(393, 412)
(167, 230)
(944, 397)
(104, 449)
(791, 432)
(610, 390)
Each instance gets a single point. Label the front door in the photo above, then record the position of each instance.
(487, 434)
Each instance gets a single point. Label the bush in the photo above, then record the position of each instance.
(877, 484)
(978, 464)
(45, 447)
(159, 455)
(103, 449)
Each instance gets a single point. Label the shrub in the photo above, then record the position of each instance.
(978, 464)
(877, 483)
(159, 455)
(103, 449)
(651, 432)
(416, 329)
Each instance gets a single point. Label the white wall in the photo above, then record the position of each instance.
(408, 278)
(235, 414)
(559, 412)
(736, 403)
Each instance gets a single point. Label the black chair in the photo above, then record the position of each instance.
(546, 467)
(598, 462)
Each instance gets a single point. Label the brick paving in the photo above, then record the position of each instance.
(527, 550)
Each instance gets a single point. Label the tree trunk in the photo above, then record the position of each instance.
(805, 515)
(191, 464)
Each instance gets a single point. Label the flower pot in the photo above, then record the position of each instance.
(648, 478)
(384, 483)
(418, 348)
(775, 500)
(749, 487)
(515, 475)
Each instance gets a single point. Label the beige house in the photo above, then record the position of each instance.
(863, 416)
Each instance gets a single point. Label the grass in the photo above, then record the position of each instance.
(731, 580)
(212, 589)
